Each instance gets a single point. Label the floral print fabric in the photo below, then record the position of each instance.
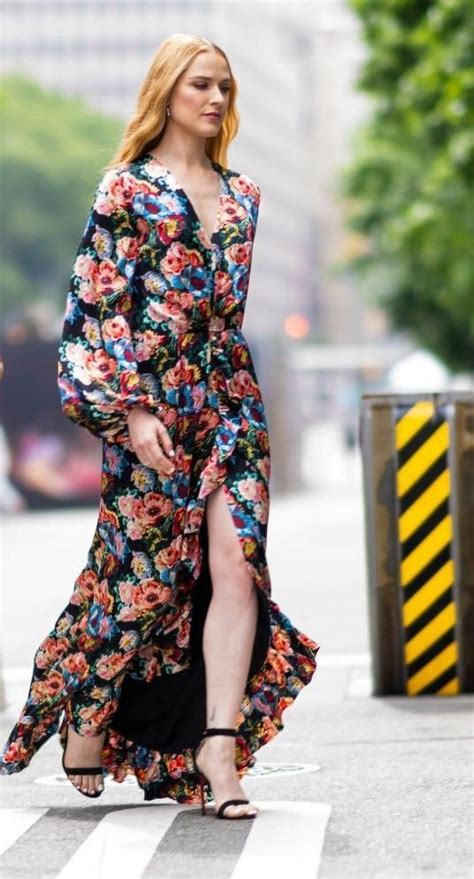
(154, 318)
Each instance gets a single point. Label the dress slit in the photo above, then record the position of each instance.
(263, 630)
(169, 713)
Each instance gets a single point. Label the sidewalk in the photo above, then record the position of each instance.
(383, 780)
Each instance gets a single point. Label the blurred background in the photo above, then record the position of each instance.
(357, 124)
(354, 123)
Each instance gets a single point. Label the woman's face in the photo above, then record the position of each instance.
(201, 90)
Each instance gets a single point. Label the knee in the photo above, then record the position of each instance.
(230, 573)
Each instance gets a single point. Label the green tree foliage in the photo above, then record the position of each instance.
(53, 150)
(409, 187)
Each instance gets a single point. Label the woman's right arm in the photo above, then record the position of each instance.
(98, 378)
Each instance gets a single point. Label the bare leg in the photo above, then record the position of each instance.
(228, 637)
(84, 751)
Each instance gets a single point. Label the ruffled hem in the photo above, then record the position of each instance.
(269, 692)
(283, 663)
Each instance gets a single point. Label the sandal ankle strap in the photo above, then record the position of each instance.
(219, 731)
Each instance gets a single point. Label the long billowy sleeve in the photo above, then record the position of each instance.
(98, 378)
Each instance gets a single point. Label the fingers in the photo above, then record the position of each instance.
(151, 441)
(165, 439)
(157, 452)
(156, 459)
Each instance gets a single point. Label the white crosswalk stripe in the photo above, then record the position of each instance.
(125, 841)
(14, 823)
(121, 844)
(282, 834)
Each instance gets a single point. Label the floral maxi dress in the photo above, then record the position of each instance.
(153, 318)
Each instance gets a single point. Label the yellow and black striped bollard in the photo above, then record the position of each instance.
(425, 533)
(418, 476)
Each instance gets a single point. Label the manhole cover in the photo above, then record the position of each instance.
(260, 770)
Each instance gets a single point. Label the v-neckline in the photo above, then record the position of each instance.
(178, 188)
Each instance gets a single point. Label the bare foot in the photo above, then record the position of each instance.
(216, 760)
(84, 751)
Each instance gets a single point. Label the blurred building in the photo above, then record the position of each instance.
(295, 63)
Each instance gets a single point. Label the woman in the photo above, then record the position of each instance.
(170, 639)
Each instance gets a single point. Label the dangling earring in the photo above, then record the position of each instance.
(168, 111)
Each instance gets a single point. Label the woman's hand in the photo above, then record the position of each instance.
(151, 441)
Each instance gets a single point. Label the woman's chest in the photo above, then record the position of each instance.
(168, 224)
(180, 270)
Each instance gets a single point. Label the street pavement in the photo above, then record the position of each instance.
(354, 786)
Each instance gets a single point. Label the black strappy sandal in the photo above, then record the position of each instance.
(215, 731)
(82, 770)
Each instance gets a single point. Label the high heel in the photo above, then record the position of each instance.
(215, 731)
(82, 770)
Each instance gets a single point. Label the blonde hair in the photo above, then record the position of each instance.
(146, 127)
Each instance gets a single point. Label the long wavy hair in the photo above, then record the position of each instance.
(146, 128)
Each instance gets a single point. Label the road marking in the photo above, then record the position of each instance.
(284, 838)
(15, 822)
(122, 843)
(68, 825)
(126, 841)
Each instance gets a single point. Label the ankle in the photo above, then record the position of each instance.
(219, 750)
(86, 742)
